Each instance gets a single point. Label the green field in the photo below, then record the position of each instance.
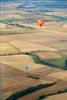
(57, 61)
(10, 20)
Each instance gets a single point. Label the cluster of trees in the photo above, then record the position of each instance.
(65, 63)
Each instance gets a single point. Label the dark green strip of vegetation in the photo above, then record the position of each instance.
(38, 60)
(29, 90)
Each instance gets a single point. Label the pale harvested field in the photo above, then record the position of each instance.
(60, 75)
(18, 47)
(19, 62)
(27, 46)
(42, 72)
(52, 35)
(48, 55)
(6, 48)
(58, 97)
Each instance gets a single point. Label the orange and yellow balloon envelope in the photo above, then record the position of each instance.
(40, 22)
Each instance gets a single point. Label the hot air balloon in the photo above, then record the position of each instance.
(40, 22)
